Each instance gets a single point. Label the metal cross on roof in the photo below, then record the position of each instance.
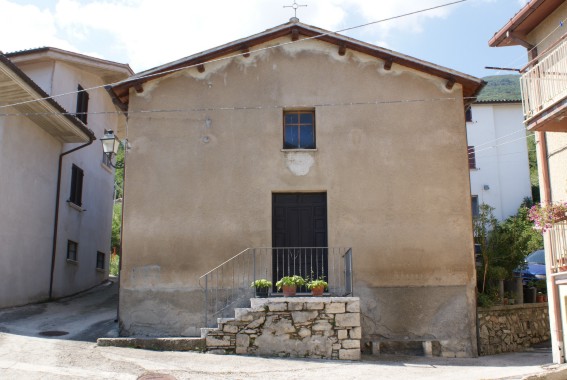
(294, 6)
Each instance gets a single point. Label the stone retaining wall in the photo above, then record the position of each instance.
(512, 328)
(307, 327)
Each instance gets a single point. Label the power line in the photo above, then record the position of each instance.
(501, 137)
(504, 143)
(240, 108)
(240, 54)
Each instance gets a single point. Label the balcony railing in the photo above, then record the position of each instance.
(228, 286)
(558, 246)
(545, 83)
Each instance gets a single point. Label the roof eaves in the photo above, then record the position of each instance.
(45, 97)
(72, 55)
(526, 19)
(473, 85)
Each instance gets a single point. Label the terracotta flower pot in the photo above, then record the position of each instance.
(540, 298)
(289, 290)
(318, 291)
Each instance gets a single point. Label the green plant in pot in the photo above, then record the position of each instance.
(289, 284)
(262, 287)
(317, 287)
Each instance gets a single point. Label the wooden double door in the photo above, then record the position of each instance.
(299, 235)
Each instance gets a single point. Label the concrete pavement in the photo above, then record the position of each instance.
(26, 354)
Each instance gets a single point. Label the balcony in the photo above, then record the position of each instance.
(544, 91)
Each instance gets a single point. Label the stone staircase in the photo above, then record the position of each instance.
(306, 327)
(303, 327)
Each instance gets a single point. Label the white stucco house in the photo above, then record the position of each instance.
(57, 190)
(498, 156)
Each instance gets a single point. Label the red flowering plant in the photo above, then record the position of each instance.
(545, 215)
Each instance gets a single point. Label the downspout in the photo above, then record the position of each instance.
(552, 286)
(56, 219)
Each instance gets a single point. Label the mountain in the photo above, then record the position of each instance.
(501, 87)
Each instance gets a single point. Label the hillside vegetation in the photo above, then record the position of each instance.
(501, 87)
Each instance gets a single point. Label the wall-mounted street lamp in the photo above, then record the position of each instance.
(110, 145)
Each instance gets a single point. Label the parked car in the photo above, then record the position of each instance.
(534, 268)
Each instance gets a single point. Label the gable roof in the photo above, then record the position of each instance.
(523, 22)
(17, 87)
(109, 71)
(471, 85)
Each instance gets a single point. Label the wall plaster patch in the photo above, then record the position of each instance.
(299, 163)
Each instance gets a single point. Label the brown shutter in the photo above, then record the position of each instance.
(472, 157)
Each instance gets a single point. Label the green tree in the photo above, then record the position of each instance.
(505, 245)
(118, 195)
(516, 238)
(116, 227)
(119, 174)
(483, 224)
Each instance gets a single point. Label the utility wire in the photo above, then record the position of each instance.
(239, 54)
(240, 108)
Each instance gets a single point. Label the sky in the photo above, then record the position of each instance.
(149, 33)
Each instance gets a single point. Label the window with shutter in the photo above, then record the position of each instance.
(472, 157)
(76, 194)
(72, 248)
(82, 104)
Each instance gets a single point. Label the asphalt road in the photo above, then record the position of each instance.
(27, 353)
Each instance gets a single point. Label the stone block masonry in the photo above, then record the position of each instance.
(304, 327)
(512, 328)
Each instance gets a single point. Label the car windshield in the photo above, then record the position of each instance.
(537, 257)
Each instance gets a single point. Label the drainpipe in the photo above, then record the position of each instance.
(553, 292)
(56, 221)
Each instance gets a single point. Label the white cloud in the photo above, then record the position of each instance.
(28, 26)
(146, 33)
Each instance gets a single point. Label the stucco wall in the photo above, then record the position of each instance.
(28, 172)
(395, 173)
(91, 227)
(549, 30)
(557, 159)
(501, 157)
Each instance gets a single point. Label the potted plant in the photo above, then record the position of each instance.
(317, 287)
(289, 284)
(261, 286)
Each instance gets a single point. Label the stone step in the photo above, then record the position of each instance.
(224, 320)
(239, 312)
(157, 344)
(205, 331)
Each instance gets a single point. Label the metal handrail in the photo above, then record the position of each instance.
(228, 285)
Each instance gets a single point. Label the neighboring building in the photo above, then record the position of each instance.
(540, 28)
(323, 142)
(498, 156)
(35, 135)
